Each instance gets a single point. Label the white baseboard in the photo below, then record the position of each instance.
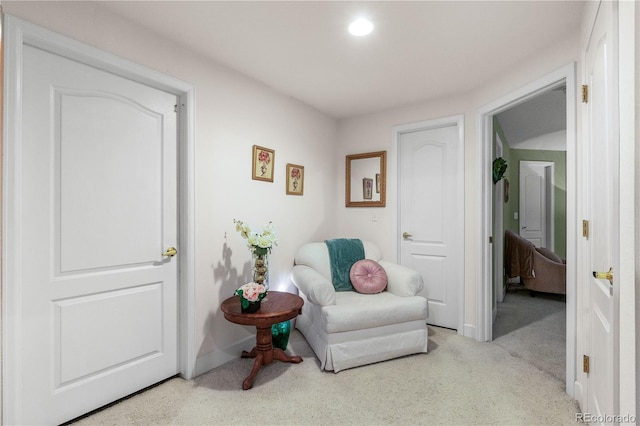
(470, 331)
(222, 356)
(578, 394)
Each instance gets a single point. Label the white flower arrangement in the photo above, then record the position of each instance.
(259, 243)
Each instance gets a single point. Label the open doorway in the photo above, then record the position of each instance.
(529, 317)
(564, 77)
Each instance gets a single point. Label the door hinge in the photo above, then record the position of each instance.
(585, 228)
(585, 93)
(585, 363)
(175, 108)
(490, 239)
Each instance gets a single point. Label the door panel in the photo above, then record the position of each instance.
(434, 267)
(136, 332)
(91, 173)
(430, 185)
(98, 308)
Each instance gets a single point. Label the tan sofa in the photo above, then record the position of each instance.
(539, 269)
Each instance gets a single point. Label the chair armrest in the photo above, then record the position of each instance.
(402, 281)
(545, 267)
(550, 276)
(317, 288)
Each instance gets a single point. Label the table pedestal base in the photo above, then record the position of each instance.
(265, 353)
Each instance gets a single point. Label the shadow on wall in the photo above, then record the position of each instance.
(227, 279)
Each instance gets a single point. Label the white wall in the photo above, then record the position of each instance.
(373, 133)
(233, 112)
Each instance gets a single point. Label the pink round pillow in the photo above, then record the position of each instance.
(367, 276)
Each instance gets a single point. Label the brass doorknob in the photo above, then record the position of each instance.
(604, 275)
(406, 235)
(171, 251)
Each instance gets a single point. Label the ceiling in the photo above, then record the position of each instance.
(539, 123)
(419, 50)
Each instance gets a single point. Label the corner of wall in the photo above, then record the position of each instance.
(219, 357)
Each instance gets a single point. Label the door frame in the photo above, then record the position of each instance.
(628, 69)
(498, 229)
(17, 34)
(484, 320)
(394, 182)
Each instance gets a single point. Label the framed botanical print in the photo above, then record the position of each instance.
(295, 179)
(367, 188)
(263, 162)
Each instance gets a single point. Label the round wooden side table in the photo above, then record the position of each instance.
(275, 308)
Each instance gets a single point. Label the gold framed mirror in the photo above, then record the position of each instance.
(366, 180)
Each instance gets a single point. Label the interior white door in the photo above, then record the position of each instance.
(98, 193)
(535, 201)
(431, 219)
(601, 208)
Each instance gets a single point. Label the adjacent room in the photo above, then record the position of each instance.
(530, 209)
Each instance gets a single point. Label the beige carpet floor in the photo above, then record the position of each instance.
(459, 382)
(534, 328)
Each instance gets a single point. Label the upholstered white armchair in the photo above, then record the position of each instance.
(347, 329)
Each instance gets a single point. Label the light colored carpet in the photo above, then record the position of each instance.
(459, 382)
(534, 329)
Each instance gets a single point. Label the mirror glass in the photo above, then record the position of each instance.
(366, 180)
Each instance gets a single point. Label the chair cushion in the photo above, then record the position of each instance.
(549, 254)
(356, 311)
(368, 277)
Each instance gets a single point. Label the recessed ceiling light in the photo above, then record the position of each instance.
(360, 27)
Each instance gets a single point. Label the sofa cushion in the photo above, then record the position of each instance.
(368, 277)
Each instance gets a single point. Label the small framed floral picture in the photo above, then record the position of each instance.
(295, 179)
(263, 162)
(367, 188)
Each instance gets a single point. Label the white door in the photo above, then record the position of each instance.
(97, 189)
(431, 217)
(601, 201)
(536, 197)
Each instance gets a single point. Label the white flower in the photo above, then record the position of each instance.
(258, 243)
(264, 241)
(242, 228)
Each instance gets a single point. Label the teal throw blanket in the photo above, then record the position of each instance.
(343, 253)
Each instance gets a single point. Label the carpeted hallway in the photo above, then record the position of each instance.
(459, 382)
(534, 328)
